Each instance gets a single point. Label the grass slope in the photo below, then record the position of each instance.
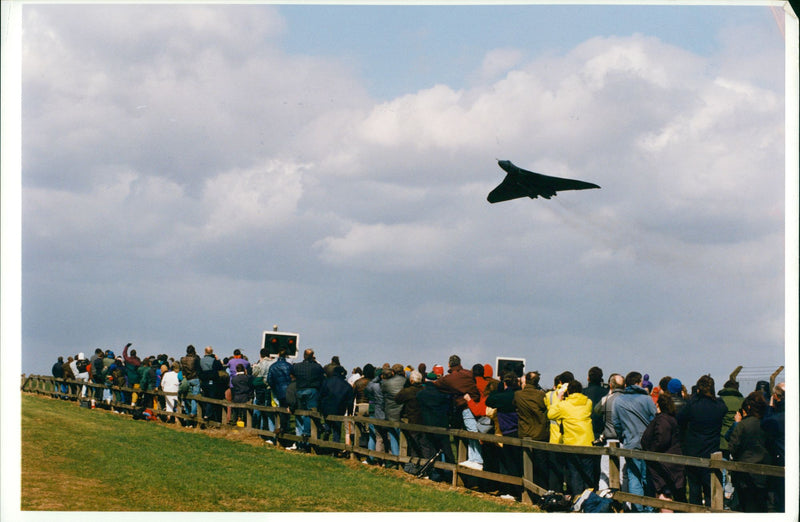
(141, 466)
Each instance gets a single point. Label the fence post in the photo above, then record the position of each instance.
(613, 467)
(461, 456)
(403, 441)
(717, 494)
(527, 473)
(356, 435)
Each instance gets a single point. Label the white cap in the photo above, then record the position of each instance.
(80, 356)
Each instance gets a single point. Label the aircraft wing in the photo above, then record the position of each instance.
(506, 190)
(558, 184)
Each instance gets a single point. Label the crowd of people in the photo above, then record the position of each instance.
(626, 409)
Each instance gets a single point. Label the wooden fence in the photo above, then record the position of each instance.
(459, 438)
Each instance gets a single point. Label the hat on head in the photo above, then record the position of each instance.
(438, 370)
(431, 376)
(81, 356)
(487, 371)
(674, 387)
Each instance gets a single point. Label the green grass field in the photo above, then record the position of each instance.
(149, 466)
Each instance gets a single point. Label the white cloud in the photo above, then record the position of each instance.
(241, 200)
(381, 247)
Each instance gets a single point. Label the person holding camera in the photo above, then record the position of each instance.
(574, 411)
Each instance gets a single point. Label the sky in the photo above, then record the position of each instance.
(198, 174)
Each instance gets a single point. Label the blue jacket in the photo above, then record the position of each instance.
(279, 376)
(632, 412)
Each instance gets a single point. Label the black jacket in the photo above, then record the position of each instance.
(701, 421)
(434, 405)
(336, 397)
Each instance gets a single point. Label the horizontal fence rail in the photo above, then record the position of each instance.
(358, 426)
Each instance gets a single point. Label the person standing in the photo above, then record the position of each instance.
(69, 375)
(335, 398)
(261, 391)
(190, 368)
(58, 375)
(574, 410)
(392, 382)
(407, 398)
(556, 461)
(434, 408)
(633, 411)
(82, 364)
(279, 376)
(241, 393)
(132, 363)
(533, 422)
(733, 399)
(774, 425)
(616, 383)
(701, 421)
(748, 443)
(210, 387)
(662, 436)
(308, 378)
(169, 385)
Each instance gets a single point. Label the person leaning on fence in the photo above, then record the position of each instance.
(748, 443)
(533, 422)
(632, 413)
(574, 410)
(662, 436)
(701, 422)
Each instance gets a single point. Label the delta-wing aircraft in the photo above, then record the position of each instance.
(519, 183)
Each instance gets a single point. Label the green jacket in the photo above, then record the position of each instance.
(147, 377)
(733, 400)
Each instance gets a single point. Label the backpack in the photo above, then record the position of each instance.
(82, 364)
(552, 502)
